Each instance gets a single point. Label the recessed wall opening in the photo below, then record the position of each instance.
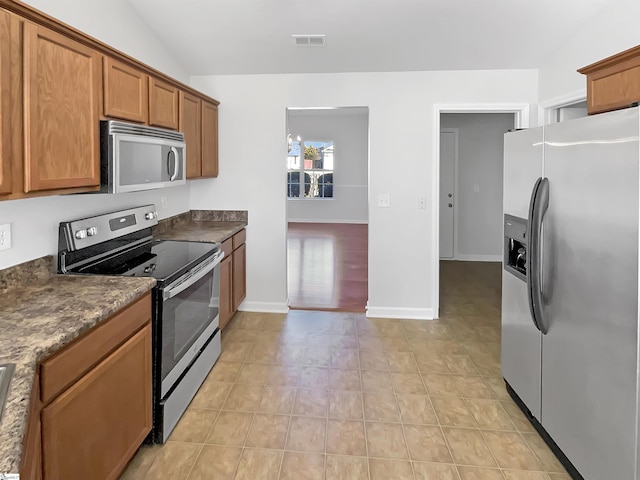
(327, 165)
(471, 184)
(468, 208)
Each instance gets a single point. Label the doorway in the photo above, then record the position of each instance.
(327, 208)
(469, 149)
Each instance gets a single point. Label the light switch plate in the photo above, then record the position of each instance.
(5, 236)
(384, 201)
(422, 202)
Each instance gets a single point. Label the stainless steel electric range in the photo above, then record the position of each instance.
(186, 299)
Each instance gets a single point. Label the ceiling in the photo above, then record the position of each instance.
(220, 37)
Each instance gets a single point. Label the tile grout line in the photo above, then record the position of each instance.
(395, 396)
(446, 442)
(364, 421)
(194, 462)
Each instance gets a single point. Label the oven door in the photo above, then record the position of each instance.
(189, 317)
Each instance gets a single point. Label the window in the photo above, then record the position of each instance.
(311, 177)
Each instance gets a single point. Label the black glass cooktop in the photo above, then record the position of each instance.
(161, 259)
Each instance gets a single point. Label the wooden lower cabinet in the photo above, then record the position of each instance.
(233, 276)
(95, 427)
(226, 291)
(239, 275)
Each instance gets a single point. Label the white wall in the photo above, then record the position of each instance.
(401, 144)
(115, 23)
(34, 222)
(612, 30)
(348, 129)
(478, 224)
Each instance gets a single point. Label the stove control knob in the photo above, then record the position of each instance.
(150, 215)
(91, 231)
(80, 234)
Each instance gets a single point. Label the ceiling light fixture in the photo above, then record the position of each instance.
(290, 141)
(309, 40)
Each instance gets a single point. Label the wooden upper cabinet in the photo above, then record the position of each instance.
(126, 92)
(61, 111)
(209, 139)
(163, 104)
(190, 125)
(6, 185)
(613, 82)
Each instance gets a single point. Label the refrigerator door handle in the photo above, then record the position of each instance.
(537, 208)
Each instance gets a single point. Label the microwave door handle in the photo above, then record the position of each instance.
(171, 291)
(173, 175)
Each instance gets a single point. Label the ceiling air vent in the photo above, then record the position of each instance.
(309, 40)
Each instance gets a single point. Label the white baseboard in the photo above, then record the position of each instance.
(475, 258)
(400, 312)
(327, 220)
(264, 307)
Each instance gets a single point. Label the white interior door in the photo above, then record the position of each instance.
(448, 153)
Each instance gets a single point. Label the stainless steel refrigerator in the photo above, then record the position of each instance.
(570, 288)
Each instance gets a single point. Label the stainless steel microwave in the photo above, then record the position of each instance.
(136, 157)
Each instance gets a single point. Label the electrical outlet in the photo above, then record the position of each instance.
(422, 202)
(5, 236)
(384, 201)
(163, 201)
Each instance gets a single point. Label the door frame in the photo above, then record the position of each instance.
(455, 132)
(521, 120)
(547, 108)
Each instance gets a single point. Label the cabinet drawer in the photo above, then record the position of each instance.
(66, 366)
(227, 247)
(239, 238)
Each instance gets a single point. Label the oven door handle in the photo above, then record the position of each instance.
(192, 277)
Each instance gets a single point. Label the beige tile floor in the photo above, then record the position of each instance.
(325, 395)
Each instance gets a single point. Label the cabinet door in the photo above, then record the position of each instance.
(209, 139)
(226, 289)
(61, 103)
(239, 275)
(94, 428)
(126, 92)
(5, 106)
(163, 104)
(190, 123)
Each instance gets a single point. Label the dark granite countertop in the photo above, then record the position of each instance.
(41, 312)
(202, 226)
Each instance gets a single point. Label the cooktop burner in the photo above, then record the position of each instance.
(161, 259)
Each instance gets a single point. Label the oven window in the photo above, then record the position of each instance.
(186, 316)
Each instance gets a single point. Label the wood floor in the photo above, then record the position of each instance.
(328, 266)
